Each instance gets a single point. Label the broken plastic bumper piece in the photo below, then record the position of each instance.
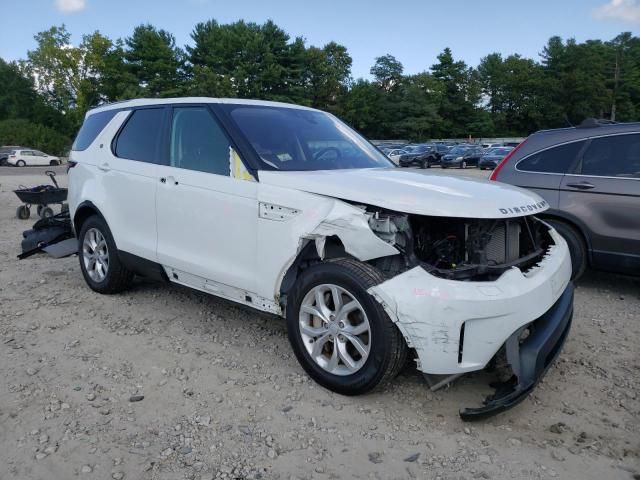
(529, 357)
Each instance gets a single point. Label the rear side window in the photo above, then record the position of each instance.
(615, 156)
(91, 128)
(197, 142)
(140, 138)
(553, 160)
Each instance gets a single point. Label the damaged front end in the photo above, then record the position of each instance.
(465, 291)
(529, 351)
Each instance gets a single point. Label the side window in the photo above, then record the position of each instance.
(197, 142)
(140, 138)
(553, 160)
(615, 156)
(91, 128)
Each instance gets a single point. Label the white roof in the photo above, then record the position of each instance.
(141, 102)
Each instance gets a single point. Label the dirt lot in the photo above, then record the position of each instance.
(225, 398)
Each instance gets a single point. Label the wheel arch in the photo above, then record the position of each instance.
(572, 222)
(85, 210)
(307, 256)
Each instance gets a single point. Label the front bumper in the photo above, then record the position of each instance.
(529, 359)
(457, 327)
(451, 163)
(431, 311)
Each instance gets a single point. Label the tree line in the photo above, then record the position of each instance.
(44, 97)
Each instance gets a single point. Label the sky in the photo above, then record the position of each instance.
(414, 31)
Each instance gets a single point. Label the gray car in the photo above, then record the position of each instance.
(590, 177)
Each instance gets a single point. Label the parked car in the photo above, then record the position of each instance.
(394, 155)
(493, 157)
(590, 176)
(423, 155)
(462, 156)
(5, 151)
(441, 150)
(27, 158)
(287, 210)
(491, 145)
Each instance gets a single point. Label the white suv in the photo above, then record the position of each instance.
(288, 210)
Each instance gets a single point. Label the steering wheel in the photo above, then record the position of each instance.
(325, 150)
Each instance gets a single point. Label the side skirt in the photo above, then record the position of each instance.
(222, 290)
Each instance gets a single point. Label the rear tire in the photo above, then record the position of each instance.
(46, 212)
(384, 344)
(577, 246)
(21, 163)
(101, 267)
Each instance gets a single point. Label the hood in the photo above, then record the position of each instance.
(414, 191)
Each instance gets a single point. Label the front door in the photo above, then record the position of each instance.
(207, 220)
(604, 194)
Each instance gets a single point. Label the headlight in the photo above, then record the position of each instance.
(459, 158)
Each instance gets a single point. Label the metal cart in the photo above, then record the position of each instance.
(42, 196)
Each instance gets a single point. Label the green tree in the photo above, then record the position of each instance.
(35, 135)
(156, 63)
(19, 100)
(387, 72)
(246, 60)
(328, 75)
(363, 109)
(461, 93)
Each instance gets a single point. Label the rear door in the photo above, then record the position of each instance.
(127, 176)
(604, 194)
(27, 157)
(542, 171)
(207, 219)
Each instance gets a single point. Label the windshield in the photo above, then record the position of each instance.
(298, 139)
(501, 151)
(458, 150)
(423, 148)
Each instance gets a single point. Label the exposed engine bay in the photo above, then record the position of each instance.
(460, 248)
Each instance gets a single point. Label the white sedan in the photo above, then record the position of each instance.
(23, 158)
(394, 155)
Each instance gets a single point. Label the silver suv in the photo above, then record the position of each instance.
(590, 177)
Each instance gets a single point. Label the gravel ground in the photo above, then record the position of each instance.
(166, 383)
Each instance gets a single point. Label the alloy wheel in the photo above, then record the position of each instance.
(95, 255)
(335, 329)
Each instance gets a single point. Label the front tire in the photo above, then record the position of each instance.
(340, 334)
(101, 267)
(53, 163)
(577, 247)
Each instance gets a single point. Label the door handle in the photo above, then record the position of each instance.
(581, 185)
(104, 167)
